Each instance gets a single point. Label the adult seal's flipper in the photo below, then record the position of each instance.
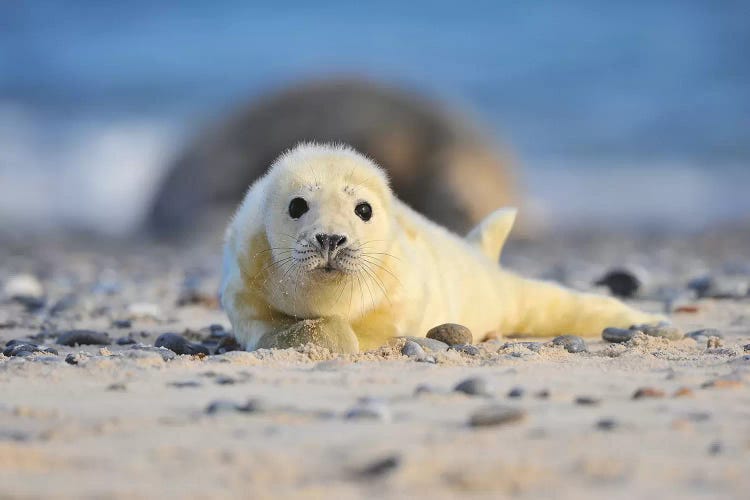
(490, 235)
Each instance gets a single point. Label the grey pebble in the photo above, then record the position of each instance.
(665, 331)
(468, 349)
(179, 344)
(125, 341)
(475, 386)
(618, 335)
(586, 401)
(429, 344)
(182, 384)
(380, 467)
(225, 406)
(25, 349)
(166, 354)
(83, 337)
(606, 424)
(701, 336)
(496, 415)
(571, 343)
(413, 350)
(369, 409)
(451, 334)
(746, 347)
(224, 380)
(116, 387)
(122, 323)
(425, 389)
(516, 392)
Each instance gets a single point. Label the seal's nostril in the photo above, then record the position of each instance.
(322, 240)
(330, 241)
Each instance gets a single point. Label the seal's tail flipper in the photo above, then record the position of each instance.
(490, 235)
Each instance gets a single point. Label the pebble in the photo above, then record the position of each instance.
(587, 401)
(621, 283)
(516, 392)
(224, 380)
(228, 343)
(182, 384)
(543, 394)
(380, 467)
(83, 337)
(116, 387)
(618, 335)
(179, 344)
(23, 286)
(166, 354)
(496, 415)
(606, 424)
(722, 383)
(413, 350)
(474, 386)
(648, 392)
(746, 347)
(468, 349)
(684, 392)
(25, 349)
(429, 344)
(571, 343)
(122, 323)
(226, 406)
(73, 358)
(425, 389)
(125, 340)
(662, 330)
(451, 334)
(369, 409)
(703, 335)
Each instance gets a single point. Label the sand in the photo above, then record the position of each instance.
(304, 423)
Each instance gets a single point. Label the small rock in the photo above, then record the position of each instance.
(116, 387)
(23, 286)
(226, 406)
(179, 344)
(122, 323)
(701, 336)
(571, 343)
(224, 380)
(468, 349)
(451, 334)
(663, 330)
(606, 424)
(722, 383)
(75, 358)
(21, 349)
(621, 283)
(379, 468)
(684, 392)
(429, 344)
(182, 384)
(587, 401)
(715, 448)
(424, 389)
(369, 409)
(516, 392)
(648, 392)
(618, 335)
(125, 340)
(166, 354)
(474, 386)
(83, 337)
(413, 350)
(496, 415)
(543, 394)
(746, 347)
(228, 343)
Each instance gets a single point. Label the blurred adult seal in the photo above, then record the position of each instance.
(320, 251)
(439, 161)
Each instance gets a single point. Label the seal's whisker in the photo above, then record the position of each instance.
(364, 258)
(380, 284)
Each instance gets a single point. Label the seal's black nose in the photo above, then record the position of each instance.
(330, 241)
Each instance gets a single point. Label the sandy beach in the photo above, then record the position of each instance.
(128, 420)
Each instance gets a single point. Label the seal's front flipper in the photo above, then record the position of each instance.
(490, 235)
(333, 333)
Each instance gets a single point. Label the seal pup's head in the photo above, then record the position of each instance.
(326, 216)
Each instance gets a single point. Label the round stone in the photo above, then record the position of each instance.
(428, 344)
(413, 350)
(179, 344)
(83, 337)
(662, 330)
(620, 282)
(475, 386)
(451, 334)
(571, 343)
(496, 415)
(618, 335)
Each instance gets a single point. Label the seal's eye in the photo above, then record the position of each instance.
(363, 211)
(297, 208)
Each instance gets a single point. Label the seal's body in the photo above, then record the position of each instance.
(322, 236)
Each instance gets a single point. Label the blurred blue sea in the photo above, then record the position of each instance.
(619, 113)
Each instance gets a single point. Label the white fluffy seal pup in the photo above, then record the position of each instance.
(321, 250)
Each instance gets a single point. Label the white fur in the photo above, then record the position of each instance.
(400, 274)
